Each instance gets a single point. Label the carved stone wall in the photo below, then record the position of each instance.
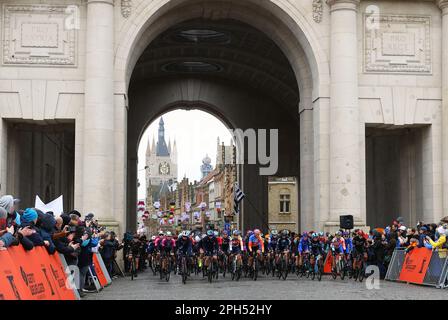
(397, 44)
(38, 35)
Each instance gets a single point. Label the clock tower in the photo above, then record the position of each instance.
(161, 160)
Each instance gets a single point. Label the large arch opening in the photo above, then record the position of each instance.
(231, 69)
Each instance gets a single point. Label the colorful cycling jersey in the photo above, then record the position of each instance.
(168, 244)
(256, 241)
(348, 245)
(338, 245)
(304, 245)
(283, 244)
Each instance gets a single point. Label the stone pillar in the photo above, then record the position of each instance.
(98, 152)
(345, 182)
(443, 4)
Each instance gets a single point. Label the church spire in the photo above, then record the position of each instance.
(162, 149)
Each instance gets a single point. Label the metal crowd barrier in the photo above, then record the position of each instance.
(436, 274)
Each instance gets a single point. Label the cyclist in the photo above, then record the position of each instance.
(348, 245)
(209, 247)
(337, 246)
(135, 250)
(184, 247)
(359, 248)
(316, 250)
(303, 249)
(256, 245)
(168, 244)
(283, 246)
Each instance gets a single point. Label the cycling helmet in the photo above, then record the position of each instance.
(197, 238)
(225, 233)
(184, 234)
(285, 232)
(161, 233)
(305, 234)
(345, 234)
(321, 234)
(216, 233)
(274, 232)
(210, 232)
(257, 231)
(314, 235)
(236, 233)
(168, 234)
(153, 238)
(339, 233)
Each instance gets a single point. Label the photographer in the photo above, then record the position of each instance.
(85, 256)
(70, 244)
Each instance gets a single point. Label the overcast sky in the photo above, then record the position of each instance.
(196, 134)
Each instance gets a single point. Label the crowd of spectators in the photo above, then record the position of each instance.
(70, 234)
(383, 241)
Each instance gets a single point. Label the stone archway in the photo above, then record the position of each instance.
(292, 42)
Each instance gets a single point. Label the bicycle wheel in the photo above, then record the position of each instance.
(132, 269)
(319, 272)
(362, 272)
(210, 273)
(184, 270)
(256, 267)
(284, 274)
(342, 270)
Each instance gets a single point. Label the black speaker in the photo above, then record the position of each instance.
(346, 222)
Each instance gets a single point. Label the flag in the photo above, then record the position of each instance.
(238, 197)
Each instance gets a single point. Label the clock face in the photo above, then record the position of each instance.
(164, 168)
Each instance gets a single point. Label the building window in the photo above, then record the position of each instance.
(285, 203)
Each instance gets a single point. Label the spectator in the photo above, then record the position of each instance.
(47, 226)
(6, 233)
(108, 251)
(32, 236)
(85, 256)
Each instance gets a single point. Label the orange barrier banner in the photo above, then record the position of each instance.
(99, 272)
(327, 265)
(415, 265)
(56, 273)
(12, 286)
(32, 275)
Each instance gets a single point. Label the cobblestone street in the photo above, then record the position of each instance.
(147, 287)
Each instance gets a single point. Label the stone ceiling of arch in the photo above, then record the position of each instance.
(224, 49)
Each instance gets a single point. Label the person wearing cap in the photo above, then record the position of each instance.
(422, 233)
(402, 236)
(29, 235)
